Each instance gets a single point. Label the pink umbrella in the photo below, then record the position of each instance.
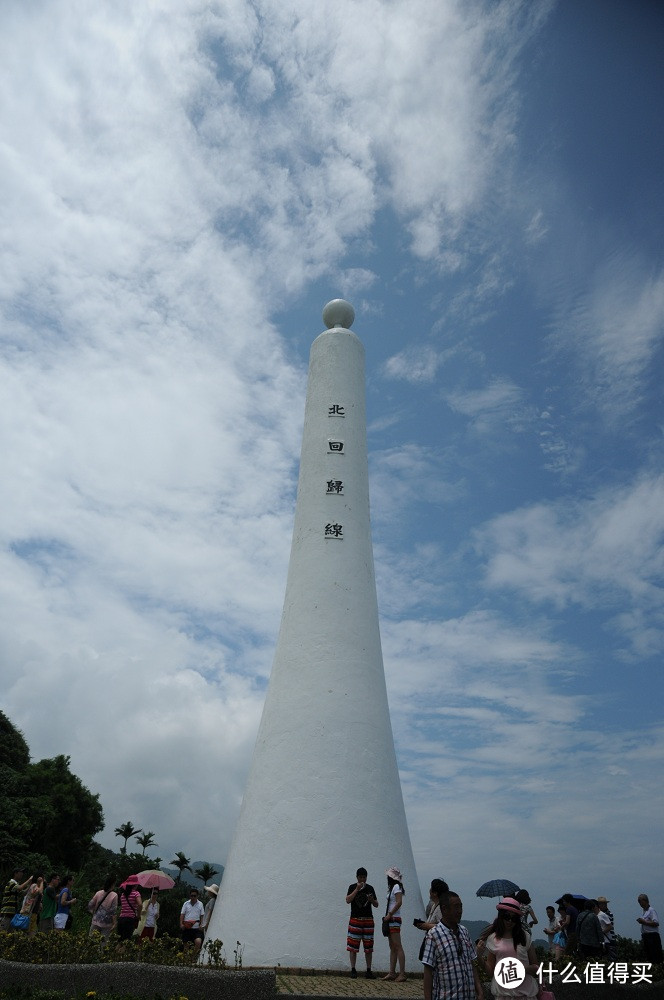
(154, 880)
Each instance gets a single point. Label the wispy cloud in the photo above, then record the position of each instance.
(498, 397)
(415, 364)
(602, 552)
(615, 329)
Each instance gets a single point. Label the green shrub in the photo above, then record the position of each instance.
(62, 948)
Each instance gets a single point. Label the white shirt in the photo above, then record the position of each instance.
(193, 911)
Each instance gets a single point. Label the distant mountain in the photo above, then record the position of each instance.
(188, 878)
(475, 928)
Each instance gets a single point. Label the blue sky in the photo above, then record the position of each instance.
(186, 184)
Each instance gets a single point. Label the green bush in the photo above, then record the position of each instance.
(62, 948)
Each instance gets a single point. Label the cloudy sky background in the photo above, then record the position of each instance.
(185, 184)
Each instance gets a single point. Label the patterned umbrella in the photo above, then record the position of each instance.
(498, 887)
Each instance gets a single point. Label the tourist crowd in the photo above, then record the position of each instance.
(580, 927)
(39, 905)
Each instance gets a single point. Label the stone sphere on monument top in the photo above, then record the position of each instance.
(338, 312)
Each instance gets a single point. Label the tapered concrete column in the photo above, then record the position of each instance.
(323, 795)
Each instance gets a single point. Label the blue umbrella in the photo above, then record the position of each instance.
(498, 887)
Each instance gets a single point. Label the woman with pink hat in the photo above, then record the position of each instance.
(392, 924)
(510, 939)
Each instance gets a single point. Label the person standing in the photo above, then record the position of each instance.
(362, 897)
(608, 928)
(104, 909)
(652, 942)
(392, 920)
(589, 930)
(449, 957)
(569, 921)
(49, 904)
(551, 928)
(65, 902)
(130, 908)
(528, 918)
(510, 939)
(213, 892)
(147, 925)
(560, 937)
(191, 917)
(433, 912)
(11, 898)
(32, 904)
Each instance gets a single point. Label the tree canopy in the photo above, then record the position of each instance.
(182, 863)
(44, 808)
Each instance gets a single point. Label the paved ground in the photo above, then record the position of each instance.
(335, 985)
(341, 985)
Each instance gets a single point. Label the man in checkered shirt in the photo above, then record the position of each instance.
(449, 958)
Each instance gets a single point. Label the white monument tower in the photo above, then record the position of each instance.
(323, 795)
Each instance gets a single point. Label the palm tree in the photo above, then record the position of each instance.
(205, 872)
(126, 830)
(182, 863)
(147, 840)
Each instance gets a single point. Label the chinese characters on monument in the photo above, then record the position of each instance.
(335, 486)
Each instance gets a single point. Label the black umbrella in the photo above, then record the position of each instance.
(498, 887)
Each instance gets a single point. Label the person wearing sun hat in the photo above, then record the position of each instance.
(213, 892)
(510, 939)
(392, 922)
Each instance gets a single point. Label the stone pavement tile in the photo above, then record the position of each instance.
(344, 986)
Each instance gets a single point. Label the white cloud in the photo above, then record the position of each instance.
(615, 329)
(404, 476)
(495, 744)
(598, 553)
(497, 397)
(414, 364)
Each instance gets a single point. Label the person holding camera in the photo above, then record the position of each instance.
(362, 897)
(433, 912)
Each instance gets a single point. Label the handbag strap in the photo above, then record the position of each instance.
(102, 901)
